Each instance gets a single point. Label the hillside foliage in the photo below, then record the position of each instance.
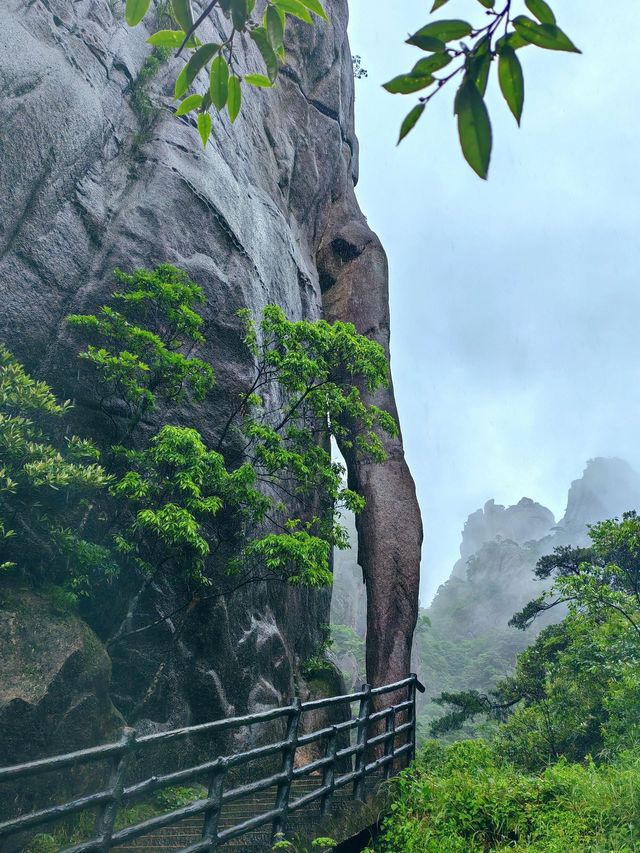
(560, 771)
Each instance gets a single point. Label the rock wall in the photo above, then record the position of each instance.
(523, 522)
(52, 668)
(98, 173)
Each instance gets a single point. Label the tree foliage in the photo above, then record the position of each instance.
(46, 481)
(225, 78)
(155, 501)
(574, 691)
(468, 51)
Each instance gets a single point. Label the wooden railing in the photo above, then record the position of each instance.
(385, 737)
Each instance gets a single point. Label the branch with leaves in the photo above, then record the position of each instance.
(456, 50)
(224, 90)
(470, 51)
(269, 492)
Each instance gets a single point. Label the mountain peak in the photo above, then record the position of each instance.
(608, 487)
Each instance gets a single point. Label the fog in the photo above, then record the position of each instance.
(514, 302)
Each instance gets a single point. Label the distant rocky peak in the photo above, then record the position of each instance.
(523, 522)
(608, 487)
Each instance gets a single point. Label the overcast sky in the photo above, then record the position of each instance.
(516, 302)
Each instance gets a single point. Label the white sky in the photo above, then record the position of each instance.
(516, 302)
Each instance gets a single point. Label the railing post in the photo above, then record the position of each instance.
(363, 736)
(329, 773)
(390, 743)
(288, 759)
(414, 718)
(107, 817)
(212, 814)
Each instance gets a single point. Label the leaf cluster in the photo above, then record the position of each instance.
(468, 52)
(143, 344)
(46, 481)
(160, 503)
(225, 79)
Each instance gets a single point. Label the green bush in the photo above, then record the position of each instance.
(462, 799)
(176, 798)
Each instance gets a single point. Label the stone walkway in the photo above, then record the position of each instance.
(188, 831)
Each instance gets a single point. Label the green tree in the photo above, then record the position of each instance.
(595, 581)
(574, 691)
(46, 483)
(264, 503)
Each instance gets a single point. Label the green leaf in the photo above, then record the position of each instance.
(405, 84)
(427, 43)
(410, 121)
(444, 30)
(204, 127)
(438, 4)
(274, 27)
(541, 10)
(474, 128)
(295, 8)
(259, 36)
(480, 68)
(234, 99)
(135, 10)
(239, 13)
(488, 4)
(547, 36)
(183, 13)
(195, 64)
(511, 81)
(219, 82)
(513, 39)
(315, 6)
(430, 64)
(193, 102)
(258, 80)
(167, 38)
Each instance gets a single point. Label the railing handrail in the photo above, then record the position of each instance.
(110, 799)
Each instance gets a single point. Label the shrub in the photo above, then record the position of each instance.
(463, 799)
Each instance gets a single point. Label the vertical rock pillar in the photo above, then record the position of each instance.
(354, 276)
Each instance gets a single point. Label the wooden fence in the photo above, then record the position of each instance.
(384, 737)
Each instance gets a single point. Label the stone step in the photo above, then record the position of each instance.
(174, 838)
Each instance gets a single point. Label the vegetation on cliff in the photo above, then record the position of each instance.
(141, 500)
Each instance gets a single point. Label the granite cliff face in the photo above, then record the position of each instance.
(96, 173)
(523, 522)
(608, 488)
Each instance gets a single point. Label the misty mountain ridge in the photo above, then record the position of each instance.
(463, 640)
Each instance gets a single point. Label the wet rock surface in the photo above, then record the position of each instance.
(267, 213)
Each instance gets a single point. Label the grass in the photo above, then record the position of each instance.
(462, 799)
